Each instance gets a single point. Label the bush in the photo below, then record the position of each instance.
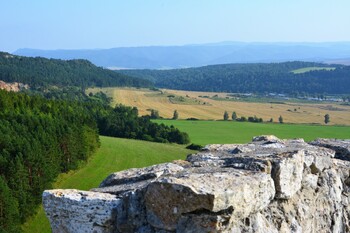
(241, 119)
(194, 147)
(154, 89)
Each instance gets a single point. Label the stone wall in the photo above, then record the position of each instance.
(268, 185)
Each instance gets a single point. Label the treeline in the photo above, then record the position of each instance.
(120, 121)
(43, 72)
(252, 78)
(123, 121)
(39, 139)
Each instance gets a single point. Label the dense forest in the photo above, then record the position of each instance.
(252, 78)
(39, 139)
(43, 72)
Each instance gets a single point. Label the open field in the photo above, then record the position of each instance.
(198, 105)
(307, 69)
(208, 132)
(114, 155)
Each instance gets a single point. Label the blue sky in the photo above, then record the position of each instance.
(88, 24)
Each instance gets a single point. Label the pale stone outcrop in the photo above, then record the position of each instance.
(288, 174)
(80, 211)
(15, 86)
(268, 185)
(209, 190)
(135, 175)
(341, 147)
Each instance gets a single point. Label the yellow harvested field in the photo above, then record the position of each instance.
(210, 109)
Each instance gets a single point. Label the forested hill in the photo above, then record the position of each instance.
(287, 77)
(39, 72)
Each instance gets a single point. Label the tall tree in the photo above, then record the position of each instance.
(225, 116)
(175, 115)
(234, 116)
(326, 118)
(154, 114)
(280, 119)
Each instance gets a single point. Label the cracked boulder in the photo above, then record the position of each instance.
(213, 191)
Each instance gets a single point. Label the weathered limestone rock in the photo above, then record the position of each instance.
(341, 147)
(267, 138)
(72, 210)
(201, 189)
(134, 175)
(132, 184)
(268, 185)
(288, 174)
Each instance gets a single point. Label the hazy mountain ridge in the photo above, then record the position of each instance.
(160, 57)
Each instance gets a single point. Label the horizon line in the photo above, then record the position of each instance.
(220, 43)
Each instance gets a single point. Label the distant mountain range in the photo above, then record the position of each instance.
(167, 57)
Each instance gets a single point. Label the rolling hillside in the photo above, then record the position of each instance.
(254, 78)
(39, 72)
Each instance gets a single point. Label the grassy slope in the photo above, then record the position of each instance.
(206, 132)
(114, 155)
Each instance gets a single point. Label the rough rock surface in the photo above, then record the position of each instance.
(268, 185)
(341, 147)
(15, 87)
(80, 211)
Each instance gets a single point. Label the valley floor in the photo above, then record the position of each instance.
(201, 105)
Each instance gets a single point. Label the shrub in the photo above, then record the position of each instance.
(194, 147)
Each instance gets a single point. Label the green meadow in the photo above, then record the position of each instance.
(308, 69)
(208, 132)
(115, 154)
